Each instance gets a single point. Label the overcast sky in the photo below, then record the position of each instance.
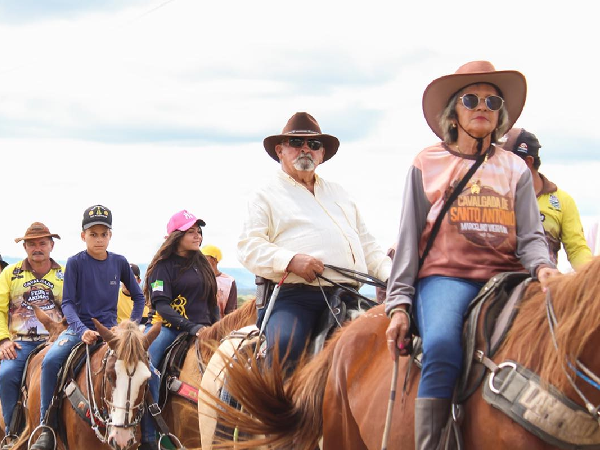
(150, 107)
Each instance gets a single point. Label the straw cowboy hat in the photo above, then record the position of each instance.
(511, 84)
(302, 124)
(37, 230)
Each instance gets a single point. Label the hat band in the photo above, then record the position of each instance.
(303, 132)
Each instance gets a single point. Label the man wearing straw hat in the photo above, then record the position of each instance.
(297, 222)
(37, 280)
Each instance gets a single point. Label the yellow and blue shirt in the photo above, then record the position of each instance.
(562, 224)
(20, 288)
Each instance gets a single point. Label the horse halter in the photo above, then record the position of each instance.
(581, 370)
(136, 411)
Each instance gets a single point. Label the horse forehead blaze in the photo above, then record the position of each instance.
(127, 390)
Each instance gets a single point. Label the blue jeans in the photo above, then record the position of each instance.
(53, 362)
(439, 308)
(11, 372)
(295, 315)
(156, 351)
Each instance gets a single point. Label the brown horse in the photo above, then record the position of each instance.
(342, 394)
(54, 329)
(120, 374)
(181, 414)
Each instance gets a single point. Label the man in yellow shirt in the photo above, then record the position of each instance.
(558, 211)
(125, 303)
(37, 280)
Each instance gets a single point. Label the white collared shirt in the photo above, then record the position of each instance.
(285, 218)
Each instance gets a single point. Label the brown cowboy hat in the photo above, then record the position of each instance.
(302, 124)
(37, 230)
(512, 86)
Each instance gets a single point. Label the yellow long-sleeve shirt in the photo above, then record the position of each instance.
(562, 224)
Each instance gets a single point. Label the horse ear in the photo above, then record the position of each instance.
(106, 334)
(42, 317)
(151, 335)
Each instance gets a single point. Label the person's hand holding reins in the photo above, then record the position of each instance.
(90, 337)
(8, 349)
(305, 266)
(397, 333)
(544, 274)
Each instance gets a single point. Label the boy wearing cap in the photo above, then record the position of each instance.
(558, 210)
(91, 289)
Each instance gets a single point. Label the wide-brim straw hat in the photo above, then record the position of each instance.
(511, 83)
(302, 124)
(37, 230)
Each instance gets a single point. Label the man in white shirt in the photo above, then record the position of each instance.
(298, 222)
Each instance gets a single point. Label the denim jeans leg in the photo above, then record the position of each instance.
(53, 362)
(11, 372)
(440, 306)
(156, 352)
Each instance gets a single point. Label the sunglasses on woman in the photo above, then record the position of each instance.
(313, 144)
(492, 102)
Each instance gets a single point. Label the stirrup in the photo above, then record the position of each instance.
(5, 443)
(41, 426)
(174, 439)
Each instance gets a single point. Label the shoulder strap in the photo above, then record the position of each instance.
(455, 193)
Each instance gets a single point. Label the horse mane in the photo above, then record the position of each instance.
(235, 320)
(281, 410)
(575, 300)
(130, 347)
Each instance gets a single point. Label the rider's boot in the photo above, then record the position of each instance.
(431, 415)
(44, 442)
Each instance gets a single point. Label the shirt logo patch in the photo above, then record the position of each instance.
(157, 286)
(554, 202)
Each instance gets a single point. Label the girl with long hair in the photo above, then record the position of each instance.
(181, 286)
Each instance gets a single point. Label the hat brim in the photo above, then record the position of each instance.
(98, 222)
(331, 143)
(24, 238)
(186, 226)
(511, 83)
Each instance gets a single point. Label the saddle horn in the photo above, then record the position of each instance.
(108, 336)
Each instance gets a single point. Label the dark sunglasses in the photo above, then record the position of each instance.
(492, 102)
(313, 144)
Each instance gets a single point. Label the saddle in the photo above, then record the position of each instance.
(170, 369)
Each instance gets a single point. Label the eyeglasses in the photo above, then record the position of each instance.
(313, 144)
(492, 102)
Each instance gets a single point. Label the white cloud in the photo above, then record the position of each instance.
(152, 113)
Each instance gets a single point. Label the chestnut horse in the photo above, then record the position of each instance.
(342, 394)
(119, 380)
(180, 414)
(54, 329)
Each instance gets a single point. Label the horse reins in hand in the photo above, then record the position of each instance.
(95, 415)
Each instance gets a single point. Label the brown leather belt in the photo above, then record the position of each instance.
(314, 288)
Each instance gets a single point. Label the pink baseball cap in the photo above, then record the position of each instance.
(183, 221)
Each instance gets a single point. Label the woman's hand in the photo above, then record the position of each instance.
(397, 334)
(544, 274)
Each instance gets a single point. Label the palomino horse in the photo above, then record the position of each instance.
(119, 375)
(342, 394)
(181, 414)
